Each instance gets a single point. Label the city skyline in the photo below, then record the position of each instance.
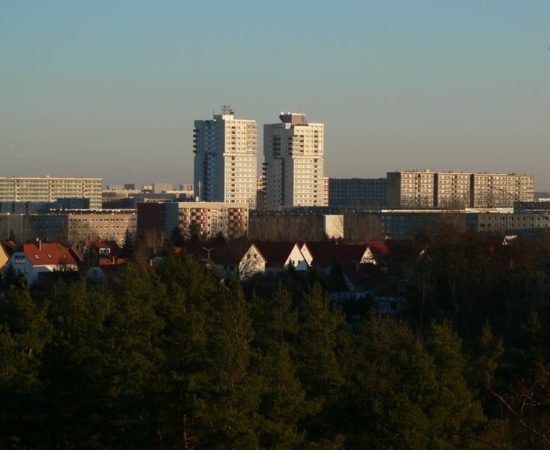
(111, 90)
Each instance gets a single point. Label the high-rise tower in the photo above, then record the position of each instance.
(294, 162)
(225, 159)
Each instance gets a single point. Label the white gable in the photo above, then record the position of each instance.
(306, 254)
(251, 263)
(296, 258)
(368, 257)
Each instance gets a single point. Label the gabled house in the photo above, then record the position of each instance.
(245, 259)
(43, 257)
(357, 262)
(252, 262)
(227, 259)
(281, 255)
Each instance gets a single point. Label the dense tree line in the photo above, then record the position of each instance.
(169, 357)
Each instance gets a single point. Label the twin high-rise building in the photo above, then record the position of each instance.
(226, 161)
(294, 162)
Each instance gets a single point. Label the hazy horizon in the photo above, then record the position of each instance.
(111, 89)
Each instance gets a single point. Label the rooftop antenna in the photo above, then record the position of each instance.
(226, 110)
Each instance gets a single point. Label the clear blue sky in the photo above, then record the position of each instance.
(111, 87)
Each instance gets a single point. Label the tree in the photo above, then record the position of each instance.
(24, 333)
(320, 342)
(283, 400)
(231, 389)
(128, 245)
(391, 383)
(455, 414)
(177, 237)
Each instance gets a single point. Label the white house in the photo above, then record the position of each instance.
(39, 257)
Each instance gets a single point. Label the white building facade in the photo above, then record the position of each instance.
(294, 162)
(225, 165)
(50, 189)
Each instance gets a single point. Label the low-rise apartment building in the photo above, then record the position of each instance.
(71, 227)
(356, 192)
(457, 190)
(205, 218)
(49, 189)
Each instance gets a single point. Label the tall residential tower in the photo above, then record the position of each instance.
(225, 159)
(294, 162)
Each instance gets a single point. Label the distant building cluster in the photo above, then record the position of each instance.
(291, 199)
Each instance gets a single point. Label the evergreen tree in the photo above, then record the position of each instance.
(231, 389)
(128, 246)
(318, 347)
(455, 414)
(283, 402)
(24, 333)
(390, 388)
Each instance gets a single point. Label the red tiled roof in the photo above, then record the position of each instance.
(48, 254)
(275, 253)
(326, 254)
(378, 247)
(112, 262)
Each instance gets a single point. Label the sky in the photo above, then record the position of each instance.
(111, 88)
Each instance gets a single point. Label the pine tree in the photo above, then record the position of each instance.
(283, 402)
(455, 414)
(24, 334)
(390, 387)
(318, 346)
(231, 389)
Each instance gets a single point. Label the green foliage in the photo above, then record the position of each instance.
(24, 334)
(168, 356)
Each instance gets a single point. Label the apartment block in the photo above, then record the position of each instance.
(206, 218)
(70, 227)
(457, 190)
(159, 188)
(300, 224)
(357, 192)
(452, 190)
(410, 189)
(500, 190)
(50, 189)
(294, 162)
(225, 161)
(104, 224)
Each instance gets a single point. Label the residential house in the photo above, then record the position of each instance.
(43, 257)
(282, 255)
